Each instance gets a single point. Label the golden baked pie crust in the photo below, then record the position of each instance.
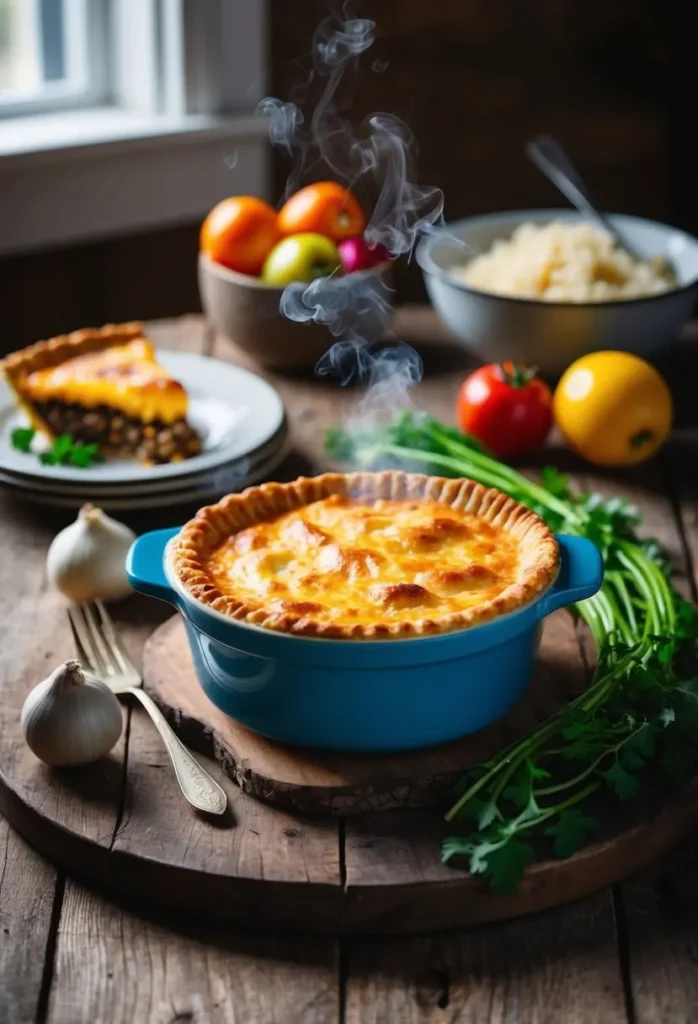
(538, 550)
(45, 354)
(157, 396)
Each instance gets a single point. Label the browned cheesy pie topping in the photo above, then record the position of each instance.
(312, 558)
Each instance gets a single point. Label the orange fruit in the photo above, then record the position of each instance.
(239, 233)
(325, 208)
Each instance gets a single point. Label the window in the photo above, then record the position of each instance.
(160, 94)
(48, 51)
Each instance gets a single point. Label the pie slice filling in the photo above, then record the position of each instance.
(104, 386)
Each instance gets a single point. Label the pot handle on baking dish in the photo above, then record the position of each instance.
(145, 564)
(580, 576)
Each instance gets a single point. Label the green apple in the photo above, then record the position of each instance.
(300, 257)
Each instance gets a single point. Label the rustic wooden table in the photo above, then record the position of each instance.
(68, 955)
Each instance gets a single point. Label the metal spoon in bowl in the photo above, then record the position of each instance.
(550, 158)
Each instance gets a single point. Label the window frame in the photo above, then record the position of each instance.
(61, 96)
(166, 148)
(145, 57)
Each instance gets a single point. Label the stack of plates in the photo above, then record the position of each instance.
(239, 417)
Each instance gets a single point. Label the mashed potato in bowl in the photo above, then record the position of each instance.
(562, 262)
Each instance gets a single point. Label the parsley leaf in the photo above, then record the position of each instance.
(637, 748)
(62, 447)
(21, 438)
(487, 814)
(621, 781)
(556, 483)
(506, 865)
(65, 450)
(84, 455)
(519, 793)
(570, 831)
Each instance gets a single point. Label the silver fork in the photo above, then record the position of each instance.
(101, 653)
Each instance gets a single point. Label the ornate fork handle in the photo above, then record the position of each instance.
(198, 787)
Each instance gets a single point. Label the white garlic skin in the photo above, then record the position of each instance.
(87, 559)
(71, 718)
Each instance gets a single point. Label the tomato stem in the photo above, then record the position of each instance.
(517, 375)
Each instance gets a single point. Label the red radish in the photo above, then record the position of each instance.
(357, 254)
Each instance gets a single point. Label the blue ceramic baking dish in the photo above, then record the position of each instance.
(363, 695)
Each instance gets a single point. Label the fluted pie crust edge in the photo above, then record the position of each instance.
(539, 551)
(43, 355)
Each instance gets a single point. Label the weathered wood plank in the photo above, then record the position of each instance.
(256, 855)
(660, 907)
(112, 966)
(554, 967)
(27, 892)
(656, 909)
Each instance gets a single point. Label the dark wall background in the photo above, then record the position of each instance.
(613, 79)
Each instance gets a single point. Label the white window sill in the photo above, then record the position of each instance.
(71, 177)
(66, 136)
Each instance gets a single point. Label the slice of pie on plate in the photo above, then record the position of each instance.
(104, 385)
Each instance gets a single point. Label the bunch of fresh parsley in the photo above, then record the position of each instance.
(64, 450)
(641, 706)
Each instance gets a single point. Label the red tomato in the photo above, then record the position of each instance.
(506, 407)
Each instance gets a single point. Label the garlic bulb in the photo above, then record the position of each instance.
(71, 718)
(88, 558)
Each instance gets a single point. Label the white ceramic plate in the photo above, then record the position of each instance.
(87, 489)
(202, 495)
(234, 411)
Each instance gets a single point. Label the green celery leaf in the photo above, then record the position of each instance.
(641, 742)
(555, 483)
(536, 772)
(473, 808)
(642, 678)
(622, 782)
(488, 813)
(340, 444)
(519, 793)
(570, 831)
(574, 723)
(506, 865)
(454, 846)
(583, 749)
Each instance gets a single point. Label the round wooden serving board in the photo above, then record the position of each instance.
(314, 781)
(352, 865)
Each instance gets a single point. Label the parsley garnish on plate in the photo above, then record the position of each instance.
(641, 706)
(22, 438)
(64, 450)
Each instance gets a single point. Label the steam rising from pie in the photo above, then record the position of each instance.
(356, 307)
